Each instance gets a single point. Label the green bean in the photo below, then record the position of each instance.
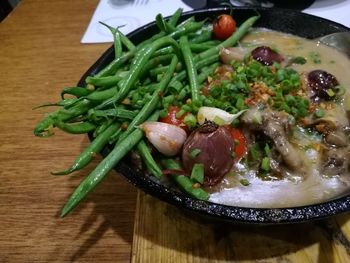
(164, 25)
(157, 71)
(120, 38)
(152, 103)
(106, 81)
(184, 182)
(126, 41)
(152, 63)
(102, 127)
(196, 48)
(147, 158)
(102, 169)
(163, 51)
(76, 110)
(64, 102)
(186, 21)
(75, 128)
(75, 91)
(95, 146)
(135, 70)
(118, 50)
(175, 17)
(172, 21)
(186, 29)
(103, 94)
(96, 115)
(115, 136)
(203, 36)
(115, 64)
(201, 78)
(43, 128)
(232, 40)
(199, 64)
(191, 68)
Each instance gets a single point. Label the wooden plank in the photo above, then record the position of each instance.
(164, 233)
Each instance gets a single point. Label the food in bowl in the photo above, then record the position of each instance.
(213, 116)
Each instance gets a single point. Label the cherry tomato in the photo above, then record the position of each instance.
(224, 26)
(240, 142)
(171, 118)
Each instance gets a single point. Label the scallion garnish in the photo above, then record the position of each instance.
(197, 173)
(244, 182)
(265, 164)
(195, 152)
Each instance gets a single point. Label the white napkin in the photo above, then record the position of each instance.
(125, 12)
(335, 10)
(132, 15)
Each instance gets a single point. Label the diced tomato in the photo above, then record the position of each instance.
(171, 118)
(224, 26)
(240, 142)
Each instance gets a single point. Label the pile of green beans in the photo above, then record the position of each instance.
(138, 85)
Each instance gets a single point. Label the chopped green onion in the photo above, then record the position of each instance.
(180, 113)
(330, 92)
(163, 113)
(218, 120)
(186, 108)
(197, 173)
(175, 87)
(240, 104)
(257, 119)
(267, 149)
(168, 99)
(244, 182)
(340, 90)
(319, 113)
(254, 152)
(190, 120)
(297, 60)
(265, 164)
(195, 152)
(315, 57)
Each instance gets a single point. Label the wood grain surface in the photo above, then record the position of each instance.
(164, 233)
(40, 53)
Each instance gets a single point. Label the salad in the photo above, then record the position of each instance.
(217, 109)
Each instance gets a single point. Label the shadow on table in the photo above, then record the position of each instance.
(204, 239)
(109, 212)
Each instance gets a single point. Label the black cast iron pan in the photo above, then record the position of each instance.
(288, 21)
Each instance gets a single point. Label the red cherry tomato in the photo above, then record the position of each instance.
(224, 26)
(171, 118)
(240, 142)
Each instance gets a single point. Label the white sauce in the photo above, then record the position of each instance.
(315, 188)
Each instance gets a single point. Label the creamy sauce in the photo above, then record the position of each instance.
(315, 188)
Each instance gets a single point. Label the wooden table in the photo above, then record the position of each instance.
(40, 52)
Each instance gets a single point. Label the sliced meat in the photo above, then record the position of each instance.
(335, 161)
(266, 55)
(322, 85)
(334, 126)
(275, 125)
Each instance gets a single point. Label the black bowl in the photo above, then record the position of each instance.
(288, 21)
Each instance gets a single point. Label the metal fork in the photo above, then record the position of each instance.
(141, 2)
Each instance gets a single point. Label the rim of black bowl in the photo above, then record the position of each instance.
(292, 22)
